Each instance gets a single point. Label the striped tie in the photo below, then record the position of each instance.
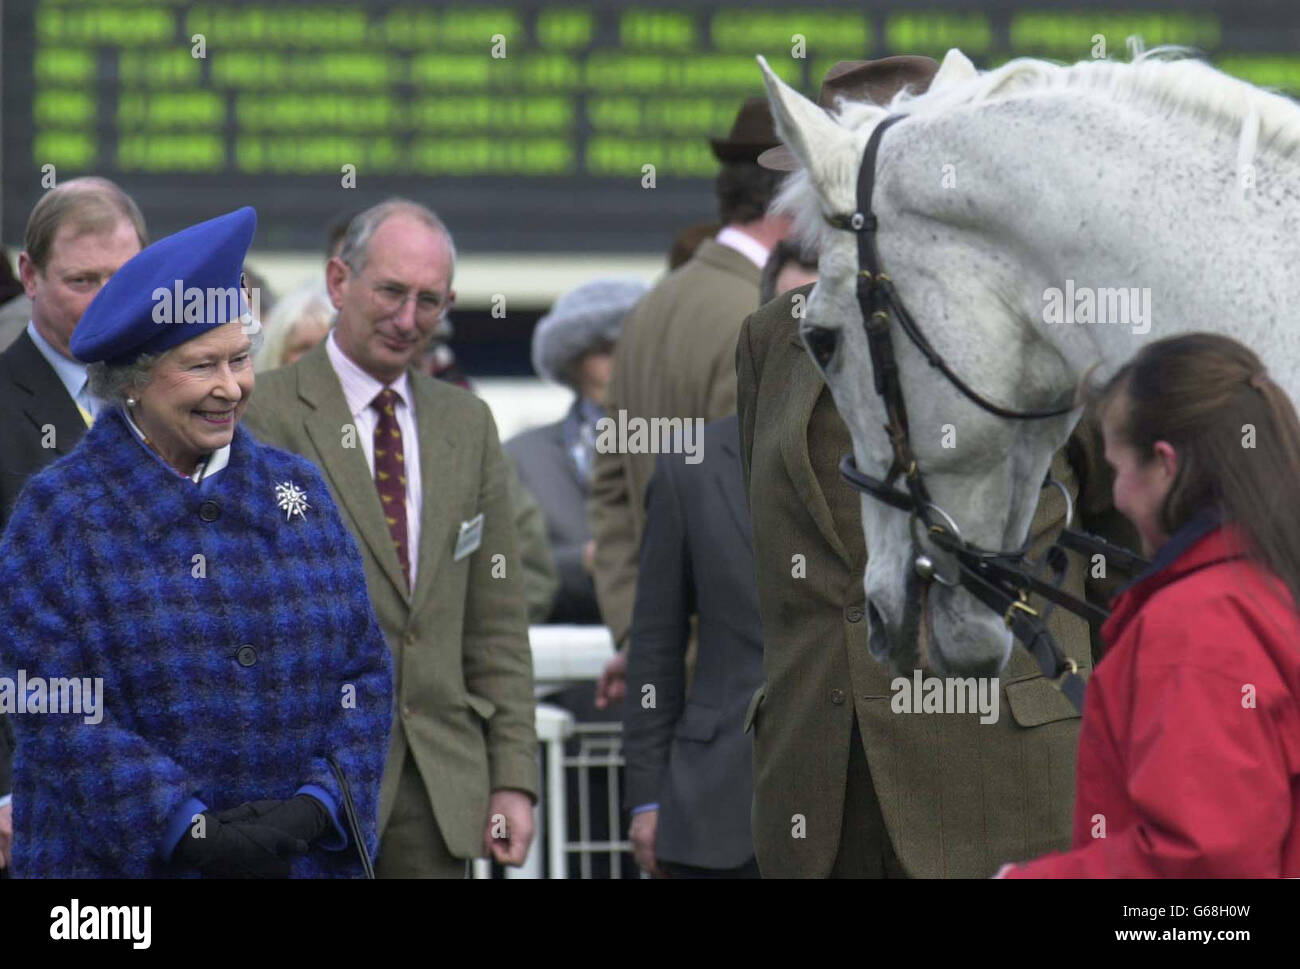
(390, 473)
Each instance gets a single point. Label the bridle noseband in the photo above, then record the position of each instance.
(1001, 579)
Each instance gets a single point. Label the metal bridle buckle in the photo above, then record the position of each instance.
(1073, 668)
(1023, 605)
(857, 221)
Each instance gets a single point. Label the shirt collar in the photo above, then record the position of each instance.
(746, 245)
(71, 373)
(359, 388)
(213, 463)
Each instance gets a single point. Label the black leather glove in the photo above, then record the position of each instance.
(302, 817)
(238, 849)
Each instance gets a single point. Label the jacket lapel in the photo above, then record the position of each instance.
(46, 400)
(441, 479)
(318, 386)
(806, 386)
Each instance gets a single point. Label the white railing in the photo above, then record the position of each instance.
(563, 655)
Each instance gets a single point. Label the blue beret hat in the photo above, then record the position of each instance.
(169, 292)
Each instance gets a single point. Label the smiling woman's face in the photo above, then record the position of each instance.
(196, 394)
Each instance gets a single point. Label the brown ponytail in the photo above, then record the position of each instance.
(1236, 434)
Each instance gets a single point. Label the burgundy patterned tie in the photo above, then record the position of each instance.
(390, 473)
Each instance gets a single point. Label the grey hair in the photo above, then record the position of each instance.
(356, 241)
(113, 383)
(309, 302)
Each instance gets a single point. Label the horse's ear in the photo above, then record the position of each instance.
(955, 69)
(801, 123)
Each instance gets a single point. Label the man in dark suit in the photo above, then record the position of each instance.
(78, 235)
(689, 774)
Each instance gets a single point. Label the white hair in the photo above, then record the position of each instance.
(309, 302)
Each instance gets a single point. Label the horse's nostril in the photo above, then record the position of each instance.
(873, 614)
(821, 343)
(877, 637)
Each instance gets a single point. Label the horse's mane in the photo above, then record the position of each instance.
(1162, 78)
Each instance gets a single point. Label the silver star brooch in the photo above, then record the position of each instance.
(291, 499)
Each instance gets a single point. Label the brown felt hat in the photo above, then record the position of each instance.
(876, 81)
(751, 134)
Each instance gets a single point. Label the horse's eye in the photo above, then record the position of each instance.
(821, 342)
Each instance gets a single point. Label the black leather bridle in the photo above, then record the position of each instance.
(1002, 580)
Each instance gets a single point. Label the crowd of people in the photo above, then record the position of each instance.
(302, 566)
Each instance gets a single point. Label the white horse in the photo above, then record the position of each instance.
(1038, 221)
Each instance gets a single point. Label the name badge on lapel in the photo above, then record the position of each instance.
(470, 537)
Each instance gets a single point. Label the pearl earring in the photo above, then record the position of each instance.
(130, 402)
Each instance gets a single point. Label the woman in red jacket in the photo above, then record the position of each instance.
(1189, 753)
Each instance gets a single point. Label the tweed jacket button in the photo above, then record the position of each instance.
(837, 697)
(853, 614)
(246, 655)
(209, 511)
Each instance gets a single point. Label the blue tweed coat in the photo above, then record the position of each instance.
(217, 689)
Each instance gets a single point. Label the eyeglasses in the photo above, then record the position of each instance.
(391, 298)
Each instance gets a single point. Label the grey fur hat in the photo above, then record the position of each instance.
(579, 320)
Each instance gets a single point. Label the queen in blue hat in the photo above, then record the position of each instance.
(233, 691)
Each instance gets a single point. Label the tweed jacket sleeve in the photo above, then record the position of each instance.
(541, 579)
(497, 658)
(613, 528)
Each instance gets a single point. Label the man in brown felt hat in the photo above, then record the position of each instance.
(876, 81)
(676, 358)
(843, 786)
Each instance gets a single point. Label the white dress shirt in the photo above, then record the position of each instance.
(746, 245)
(359, 390)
